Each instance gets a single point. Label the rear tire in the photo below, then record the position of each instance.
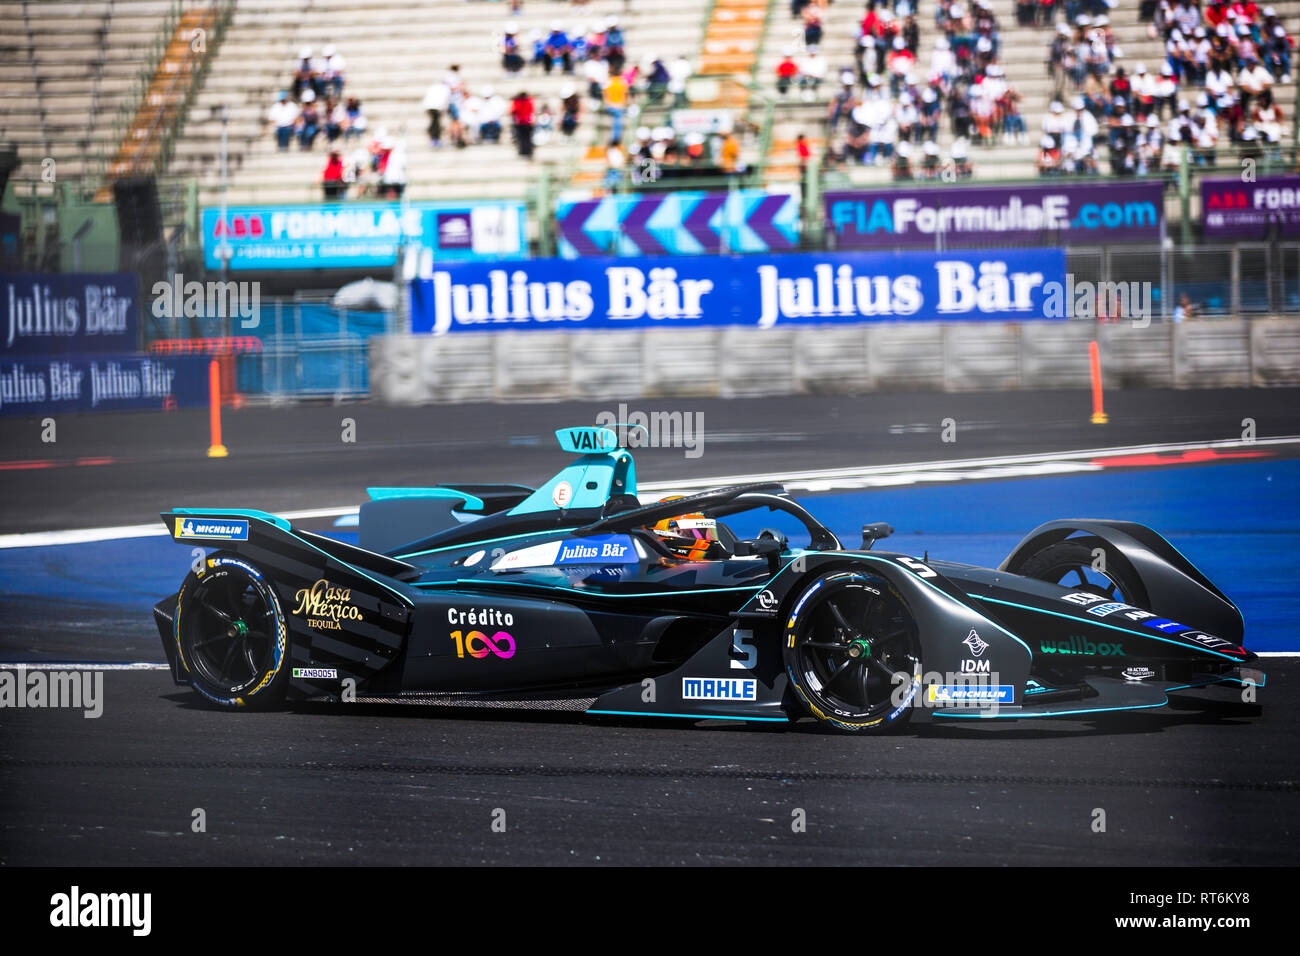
(853, 654)
(230, 635)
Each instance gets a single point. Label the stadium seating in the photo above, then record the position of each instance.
(392, 55)
(68, 67)
(1023, 54)
(65, 69)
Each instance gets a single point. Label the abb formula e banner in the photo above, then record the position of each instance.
(347, 235)
(1265, 209)
(938, 217)
(761, 291)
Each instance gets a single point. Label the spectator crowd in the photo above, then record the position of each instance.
(897, 96)
(1213, 90)
(913, 75)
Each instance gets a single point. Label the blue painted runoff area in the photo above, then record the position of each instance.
(1239, 523)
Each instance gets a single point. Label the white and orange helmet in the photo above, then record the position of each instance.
(691, 536)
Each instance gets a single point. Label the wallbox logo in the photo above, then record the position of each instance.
(1078, 646)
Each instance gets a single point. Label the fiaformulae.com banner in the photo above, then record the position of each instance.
(758, 291)
(1075, 214)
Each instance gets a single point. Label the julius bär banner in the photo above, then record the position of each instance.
(68, 314)
(1077, 214)
(98, 383)
(758, 291)
(1265, 209)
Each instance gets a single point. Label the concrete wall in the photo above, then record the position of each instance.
(893, 356)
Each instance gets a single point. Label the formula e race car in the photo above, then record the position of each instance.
(578, 596)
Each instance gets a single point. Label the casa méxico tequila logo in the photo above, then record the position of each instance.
(325, 605)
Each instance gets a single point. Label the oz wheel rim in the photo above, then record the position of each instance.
(231, 631)
(854, 649)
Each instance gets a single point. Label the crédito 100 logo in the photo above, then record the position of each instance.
(477, 644)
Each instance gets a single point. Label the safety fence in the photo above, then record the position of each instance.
(306, 350)
(829, 359)
(1239, 279)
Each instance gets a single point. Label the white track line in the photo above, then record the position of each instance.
(828, 479)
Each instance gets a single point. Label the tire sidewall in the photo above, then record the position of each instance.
(265, 690)
(820, 709)
(1079, 552)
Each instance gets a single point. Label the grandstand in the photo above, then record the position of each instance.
(67, 70)
(392, 57)
(75, 76)
(1023, 54)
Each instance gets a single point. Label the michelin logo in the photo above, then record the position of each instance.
(719, 688)
(973, 694)
(216, 530)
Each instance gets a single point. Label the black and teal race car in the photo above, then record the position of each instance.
(566, 597)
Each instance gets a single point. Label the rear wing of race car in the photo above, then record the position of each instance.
(295, 562)
(270, 540)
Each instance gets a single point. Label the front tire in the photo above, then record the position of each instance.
(1086, 564)
(853, 654)
(230, 635)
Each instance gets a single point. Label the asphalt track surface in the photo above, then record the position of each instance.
(295, 458)
(1201, 782)
(416, 785)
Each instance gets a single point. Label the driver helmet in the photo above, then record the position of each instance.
(691, 536)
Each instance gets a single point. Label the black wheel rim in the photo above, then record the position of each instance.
(852, 647)
(230, 631)
(1079, 577)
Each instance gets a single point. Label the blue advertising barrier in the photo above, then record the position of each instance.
(361, 235)
(759, 291)
(678, 223)
(68, 314)
(102, 383)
